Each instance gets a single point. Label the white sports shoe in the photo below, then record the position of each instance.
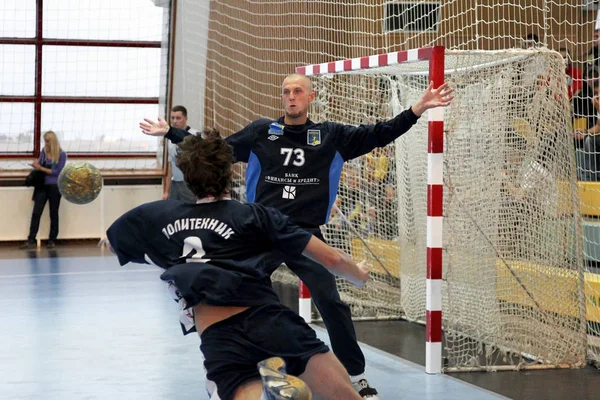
(365, 390)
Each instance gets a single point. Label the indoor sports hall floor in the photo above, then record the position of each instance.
(76, 325)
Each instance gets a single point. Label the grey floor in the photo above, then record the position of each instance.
(75, 325)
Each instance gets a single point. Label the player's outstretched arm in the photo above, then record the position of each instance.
(154, 128)
(337, 262)
(355, 141)
(162, 128)
(440, 97)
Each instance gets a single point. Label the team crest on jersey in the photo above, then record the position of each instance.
(276, 129)
(314, 137)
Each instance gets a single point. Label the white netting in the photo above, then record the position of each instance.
(513, 268)
(235, 53)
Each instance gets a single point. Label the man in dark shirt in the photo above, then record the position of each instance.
(294, 165)
(584, 120)
(593, 56)
(215, 253)
(175, 188)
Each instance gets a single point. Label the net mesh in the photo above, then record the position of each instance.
(243, 49)
(510, 207)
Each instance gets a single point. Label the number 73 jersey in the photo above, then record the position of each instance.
(296, 168)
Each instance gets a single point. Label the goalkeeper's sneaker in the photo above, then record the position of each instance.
(277, 385)
(365, 390)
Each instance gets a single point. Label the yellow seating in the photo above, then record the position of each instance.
(387, 251)
(589, 198)
(552, 288)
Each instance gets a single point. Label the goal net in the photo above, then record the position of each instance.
(234, 54)
(512, 273)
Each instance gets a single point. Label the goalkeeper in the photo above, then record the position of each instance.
(294, 165)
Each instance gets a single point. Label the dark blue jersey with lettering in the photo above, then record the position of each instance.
(218, 250)
(296, 168)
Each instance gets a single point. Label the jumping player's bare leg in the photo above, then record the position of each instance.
(275, 384)
(328, 379)
(252, 390)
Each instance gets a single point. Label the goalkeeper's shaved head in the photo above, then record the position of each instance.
(302, 79)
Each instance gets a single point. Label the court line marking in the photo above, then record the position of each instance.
(415, 365)
(117, 271)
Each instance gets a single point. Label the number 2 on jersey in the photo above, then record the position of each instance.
(298, 156)
(189, 245)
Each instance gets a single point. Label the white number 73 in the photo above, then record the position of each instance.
(299, 159)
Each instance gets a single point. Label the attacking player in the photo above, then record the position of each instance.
(214, 253)
(294, 165)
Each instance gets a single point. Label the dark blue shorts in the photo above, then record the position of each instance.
(233, 347)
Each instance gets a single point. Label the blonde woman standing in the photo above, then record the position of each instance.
(51, 161)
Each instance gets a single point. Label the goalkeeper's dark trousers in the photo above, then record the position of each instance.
(336, 314)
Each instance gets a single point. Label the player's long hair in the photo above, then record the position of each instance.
(53, 148)
(206, 164)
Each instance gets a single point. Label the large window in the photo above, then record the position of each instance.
(88, 70)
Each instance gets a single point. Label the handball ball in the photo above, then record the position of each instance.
(79, 182)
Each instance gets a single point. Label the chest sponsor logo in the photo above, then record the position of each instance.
(276, 129)
(273, 138)
(289, 192)
(314, 137)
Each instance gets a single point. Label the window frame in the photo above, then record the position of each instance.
(37, 99)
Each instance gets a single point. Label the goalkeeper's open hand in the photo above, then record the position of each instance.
(440, 97)
(154, 128)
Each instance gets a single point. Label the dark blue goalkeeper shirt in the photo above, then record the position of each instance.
(296, 168)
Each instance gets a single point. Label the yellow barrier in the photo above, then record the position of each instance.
(589, 198)
(552, 288)
(592, 297)
(387, 251)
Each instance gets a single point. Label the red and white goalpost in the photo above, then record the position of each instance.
(435, 187)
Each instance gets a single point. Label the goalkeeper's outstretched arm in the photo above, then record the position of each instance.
(162, 128)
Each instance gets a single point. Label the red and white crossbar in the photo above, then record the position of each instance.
(363, 63)
(435, 186)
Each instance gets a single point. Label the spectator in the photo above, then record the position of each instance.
(175, 187)
(350, 190)
(593, 56)
(585, 117)
(574, 74)
(376, 170)
(583, 106)
(51, 161)
(588, 152)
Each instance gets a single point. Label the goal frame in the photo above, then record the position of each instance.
(435, 187)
